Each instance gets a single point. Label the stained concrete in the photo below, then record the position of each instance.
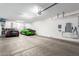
(37, 46)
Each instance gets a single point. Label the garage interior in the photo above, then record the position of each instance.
(39, 29)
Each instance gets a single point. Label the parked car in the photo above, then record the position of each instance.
(28, 32)
(10, 32)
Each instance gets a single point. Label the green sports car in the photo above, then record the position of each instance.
(28, 32)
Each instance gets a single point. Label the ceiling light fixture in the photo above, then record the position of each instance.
(36, 9)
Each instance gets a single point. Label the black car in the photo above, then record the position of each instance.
(10, 32)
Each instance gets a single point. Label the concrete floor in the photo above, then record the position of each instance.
(37, 46)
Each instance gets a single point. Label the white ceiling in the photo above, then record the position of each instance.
(12, 11)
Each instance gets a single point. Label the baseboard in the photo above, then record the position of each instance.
(63, 40)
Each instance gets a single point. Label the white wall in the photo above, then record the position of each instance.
(17, 25)
(49, 27)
